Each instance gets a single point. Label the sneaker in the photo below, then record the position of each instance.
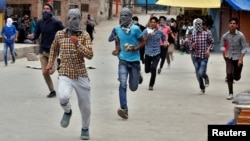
(202, 92)
(140, 79)
(207, 82)
(65, 119)
(230, 97)
(150, 88)
(85, 134)
(123, 113)
(159, 70)
(51, 94)
(12, 62)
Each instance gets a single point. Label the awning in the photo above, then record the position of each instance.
(144, 2)
(191, 3)
(239, 5)
(2, 5)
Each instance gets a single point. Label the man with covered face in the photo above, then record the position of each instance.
(130, 42)
(201, 42)
(74, 45)
(47, 28)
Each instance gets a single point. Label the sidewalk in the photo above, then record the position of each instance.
(21, 49)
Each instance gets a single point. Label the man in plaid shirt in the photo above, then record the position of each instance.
(74, 45)
(201, 42)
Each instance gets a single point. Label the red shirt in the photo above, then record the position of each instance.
(166, 30)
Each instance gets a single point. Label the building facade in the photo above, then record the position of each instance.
(98, 9)
(227, 11)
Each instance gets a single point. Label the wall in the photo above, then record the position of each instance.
(244, 24)
(227, 12)
(1, 19)
(36, 7)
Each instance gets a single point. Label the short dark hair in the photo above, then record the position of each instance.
(135, 18)
(154, 18)
(233, 19)
(163, 17)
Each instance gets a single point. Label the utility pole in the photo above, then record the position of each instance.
(146, 6)
(116, 7)
(110, 9)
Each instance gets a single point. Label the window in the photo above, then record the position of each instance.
(57, 8)
(71, 6)
(85, 7)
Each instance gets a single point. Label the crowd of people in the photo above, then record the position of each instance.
(135, 45)
(156, 42)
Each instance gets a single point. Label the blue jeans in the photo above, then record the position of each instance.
(127, 71)
(12, 52)
(200, 70)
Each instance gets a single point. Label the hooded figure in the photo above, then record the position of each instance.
(125, 19)
(198, 25)
(74, 20)
(9, 22)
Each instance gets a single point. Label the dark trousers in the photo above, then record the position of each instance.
(233, 72)
(163, 56)
(151, 66)
(142, 57)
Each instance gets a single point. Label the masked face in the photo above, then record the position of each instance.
(162, 23)
(74, 19)
(9, 22)
(135, 22)
(125, 17)
(46, 15)
(198, 25)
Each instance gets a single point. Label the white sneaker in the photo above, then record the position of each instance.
(202, 92)
(230, 97)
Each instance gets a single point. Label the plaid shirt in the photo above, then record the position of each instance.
(203, 42)
(72, 60)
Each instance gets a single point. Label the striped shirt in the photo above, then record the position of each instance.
(72, 60)
(203, 42)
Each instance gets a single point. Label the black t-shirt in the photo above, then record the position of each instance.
(90, 26)
(170, 38)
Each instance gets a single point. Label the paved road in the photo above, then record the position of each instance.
(172, 112)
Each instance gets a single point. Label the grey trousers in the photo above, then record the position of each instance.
(82, 89)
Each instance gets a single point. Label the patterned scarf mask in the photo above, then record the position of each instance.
(198, 25)
(125, 19)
